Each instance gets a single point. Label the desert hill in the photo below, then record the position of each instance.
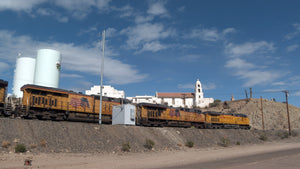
(275, 113)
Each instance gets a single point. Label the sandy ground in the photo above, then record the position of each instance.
(134, 160)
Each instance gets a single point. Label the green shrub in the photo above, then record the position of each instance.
(149, 144)
(283, 134)
(225, 141)
(20, 148)
(126, 147)
(238, 143)
(215, 103)
(263, 137)
(294, 134)
(189, 144)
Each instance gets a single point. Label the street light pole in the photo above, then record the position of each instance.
(102, 69)
(288, 113)
(262, 114)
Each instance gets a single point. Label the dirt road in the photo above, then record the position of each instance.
(165, 159)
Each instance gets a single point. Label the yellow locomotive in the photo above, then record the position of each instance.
(160, 115)
(218, 120)
(3, 90)
(58, 104)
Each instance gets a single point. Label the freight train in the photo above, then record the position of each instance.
(59, 104)
(161, 115)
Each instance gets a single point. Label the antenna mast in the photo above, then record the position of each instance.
(101, 83)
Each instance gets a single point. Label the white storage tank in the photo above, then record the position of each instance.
(123, 114)
(24, 74)
(47, 68)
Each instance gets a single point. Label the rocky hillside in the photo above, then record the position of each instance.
(275, 113)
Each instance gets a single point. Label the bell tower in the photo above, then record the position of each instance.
(198, 93)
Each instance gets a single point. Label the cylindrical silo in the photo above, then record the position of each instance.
(47, 68)
(24, 74)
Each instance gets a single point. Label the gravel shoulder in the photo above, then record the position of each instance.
(137, 160)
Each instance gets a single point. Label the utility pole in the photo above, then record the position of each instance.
(287, 108)
(250, 93)
(101, 83)
(246, 93)
(262, 114)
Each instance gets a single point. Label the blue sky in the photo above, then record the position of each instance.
(162, 46)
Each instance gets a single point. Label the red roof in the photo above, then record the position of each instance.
(175, 95)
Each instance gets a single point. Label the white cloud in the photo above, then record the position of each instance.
(190, 58)
(288, 82)
(257, 77)
(209, 86)
(79, 59)
(292, 35)
(238, 64)
(146, 36)
(81, 85)
(249, 48)
(253, 73)
(186, 86)
(294, 81)
(210, 34)
(296, 93)
(89, 30)
(153, 46)
(49, 12)
(143, 19)
(64, 75)
(273, 90)
(181, 9)
(74, 5)
(79, 9)
(126, 11)
(279, 83)
(292, 48)
(110, 32)
(3, 67)
(19, 5)
(228, 31)
(158, 8)
(205, 34)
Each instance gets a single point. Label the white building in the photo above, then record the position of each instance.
(142, 99)
(107, 90)
(177, 99)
